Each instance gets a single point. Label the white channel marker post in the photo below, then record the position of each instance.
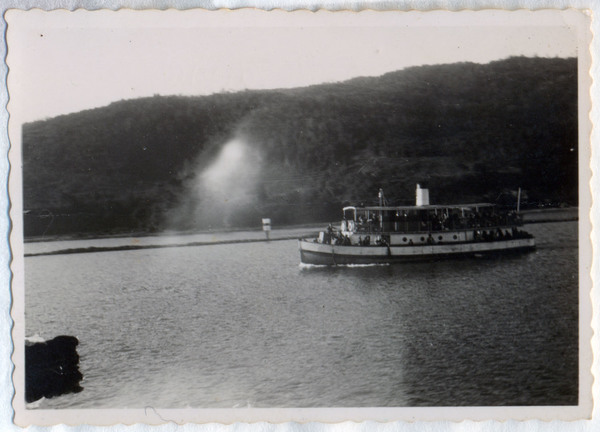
(266, 226)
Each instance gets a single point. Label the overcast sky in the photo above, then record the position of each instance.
(64, 62)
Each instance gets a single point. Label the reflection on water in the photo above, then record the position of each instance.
(245, 325)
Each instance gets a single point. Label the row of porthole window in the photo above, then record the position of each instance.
(440, 238)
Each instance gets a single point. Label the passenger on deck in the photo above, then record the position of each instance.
(360, 224)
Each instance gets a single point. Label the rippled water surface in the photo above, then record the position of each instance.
(241, 325)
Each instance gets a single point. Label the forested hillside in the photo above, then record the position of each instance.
(469, 132)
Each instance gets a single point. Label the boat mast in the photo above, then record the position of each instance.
(380, 209)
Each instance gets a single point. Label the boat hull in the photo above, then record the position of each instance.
(326, 254)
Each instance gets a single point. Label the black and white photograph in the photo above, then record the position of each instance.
(254, 215)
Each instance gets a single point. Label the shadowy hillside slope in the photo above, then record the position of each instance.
(469, 132)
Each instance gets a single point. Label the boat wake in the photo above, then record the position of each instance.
(303, 266)
(320, 266)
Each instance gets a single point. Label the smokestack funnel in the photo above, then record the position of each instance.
(422, 196)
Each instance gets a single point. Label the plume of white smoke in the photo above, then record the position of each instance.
(224, 192)
(227, 178)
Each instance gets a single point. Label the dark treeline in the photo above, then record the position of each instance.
(469, 132)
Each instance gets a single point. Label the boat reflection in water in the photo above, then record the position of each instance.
(383, 234)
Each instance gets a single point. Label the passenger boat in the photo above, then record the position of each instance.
(384, 234)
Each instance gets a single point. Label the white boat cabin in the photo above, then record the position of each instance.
(425, 223)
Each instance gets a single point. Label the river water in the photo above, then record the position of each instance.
(237, 325)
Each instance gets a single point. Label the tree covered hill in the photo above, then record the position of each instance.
(469, 132)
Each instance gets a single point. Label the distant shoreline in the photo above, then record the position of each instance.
(143, 234)
(567, 214)
(138, 247)
(529, 216)
(254, 235)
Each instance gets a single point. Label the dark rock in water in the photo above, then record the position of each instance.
(52, 368)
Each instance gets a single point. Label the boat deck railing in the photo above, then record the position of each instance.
(434, 223)
(430, 230)
(487, 234)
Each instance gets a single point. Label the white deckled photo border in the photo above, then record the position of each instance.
(579, 20)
